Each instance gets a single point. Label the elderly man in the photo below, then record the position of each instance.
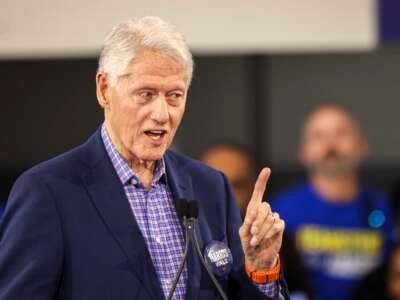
(99, 222)
(342, 228)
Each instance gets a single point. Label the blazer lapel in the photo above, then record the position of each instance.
(108, 196)
(180, 183)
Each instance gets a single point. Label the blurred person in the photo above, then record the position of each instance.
(237, 163)
(100, 222)
(393, 276)
(384, 282)
(293, 265)
(342, 228)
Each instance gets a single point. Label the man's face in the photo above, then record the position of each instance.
(332, 143)
(144, 108)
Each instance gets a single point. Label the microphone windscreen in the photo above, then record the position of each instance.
(193, 209)
(182, 208)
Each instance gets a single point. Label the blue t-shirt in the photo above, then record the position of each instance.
(339, 243)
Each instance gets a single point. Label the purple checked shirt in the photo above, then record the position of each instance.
(156, 217)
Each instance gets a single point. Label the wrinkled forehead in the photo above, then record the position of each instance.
(329, 119)
(154, 63)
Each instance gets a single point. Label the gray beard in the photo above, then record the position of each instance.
(331, 170)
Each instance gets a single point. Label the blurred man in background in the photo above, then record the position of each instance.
(392, 277)
(384, 282)
(342, 228)
(237, 163)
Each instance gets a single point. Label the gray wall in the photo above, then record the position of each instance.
(220, 104)
(49, 106)
(368, 84)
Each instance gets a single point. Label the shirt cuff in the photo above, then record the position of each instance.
(268, 289)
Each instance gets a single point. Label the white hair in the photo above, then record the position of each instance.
(127, 38)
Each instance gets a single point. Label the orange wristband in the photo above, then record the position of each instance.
(263, 277)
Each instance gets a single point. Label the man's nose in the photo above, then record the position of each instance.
(160, 112)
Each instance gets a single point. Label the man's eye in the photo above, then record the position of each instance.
(146, 94)
(175, 96)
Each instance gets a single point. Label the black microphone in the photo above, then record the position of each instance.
(181, 208)
(192, 209)
(189, 211)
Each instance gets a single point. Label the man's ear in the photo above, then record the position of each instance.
(102, 90)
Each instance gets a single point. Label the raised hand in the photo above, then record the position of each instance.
(262, 230)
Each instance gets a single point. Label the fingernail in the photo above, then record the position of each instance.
(253, 241)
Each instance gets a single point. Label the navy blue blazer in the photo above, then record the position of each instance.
(68, 231)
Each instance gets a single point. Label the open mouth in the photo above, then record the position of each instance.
(155, 135)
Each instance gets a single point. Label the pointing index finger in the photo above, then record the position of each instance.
(259, 187)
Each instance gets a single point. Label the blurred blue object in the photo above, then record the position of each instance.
(376, 218)
(298, 296)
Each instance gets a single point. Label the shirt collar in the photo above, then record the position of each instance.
(124, 172)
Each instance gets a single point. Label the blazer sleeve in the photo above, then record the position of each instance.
(240, 286)
(31, 250)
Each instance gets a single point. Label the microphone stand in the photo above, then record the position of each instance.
(190, 212)
(178, 275)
